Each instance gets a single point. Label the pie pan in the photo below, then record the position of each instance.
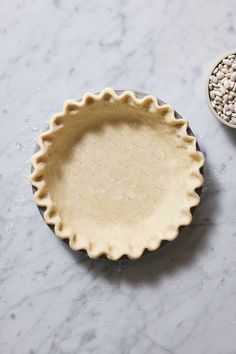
(117, 174)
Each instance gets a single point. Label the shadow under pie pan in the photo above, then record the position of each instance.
(117, 175)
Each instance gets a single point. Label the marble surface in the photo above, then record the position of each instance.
(179, 300)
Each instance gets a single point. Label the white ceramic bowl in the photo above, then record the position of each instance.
(207, 93)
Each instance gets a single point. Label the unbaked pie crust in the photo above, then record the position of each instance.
(117, 174)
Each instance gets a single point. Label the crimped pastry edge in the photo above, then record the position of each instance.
(148, 103)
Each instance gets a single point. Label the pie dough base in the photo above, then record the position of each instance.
(116, 174)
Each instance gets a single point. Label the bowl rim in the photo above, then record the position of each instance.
(216, 115)
(139, 94)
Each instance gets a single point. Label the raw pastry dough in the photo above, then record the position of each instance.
(117, 174)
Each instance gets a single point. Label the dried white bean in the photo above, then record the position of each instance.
(222, 89)
(226, 107)
(226, 96)
(226, 84)
(234, 66)
(214, 79)
(231, 107)
(218, 99)
(224, 70)
(212, 94)
(227, 62)
(233, 77)
(220, 75)
(224, 116)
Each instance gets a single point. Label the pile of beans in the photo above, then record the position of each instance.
(222, 89)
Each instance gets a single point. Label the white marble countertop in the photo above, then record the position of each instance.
(179, 300)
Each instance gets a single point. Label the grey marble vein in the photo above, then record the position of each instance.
(179, 300)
